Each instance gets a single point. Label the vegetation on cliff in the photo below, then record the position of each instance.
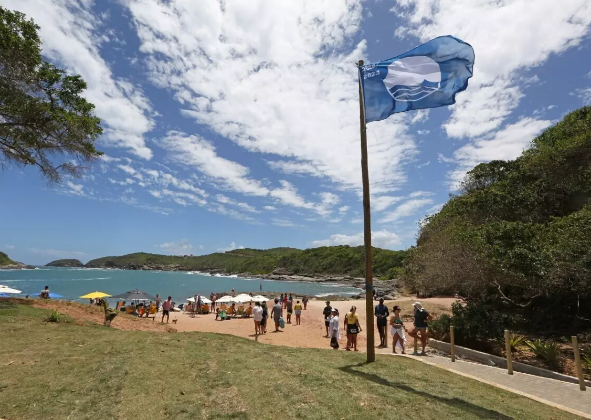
(4, 260)
(65, 263)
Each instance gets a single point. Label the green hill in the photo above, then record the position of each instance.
(4, 260)
(519, 234)
(337, 260)
(65, 263)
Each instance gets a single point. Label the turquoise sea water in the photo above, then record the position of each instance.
(74, 282)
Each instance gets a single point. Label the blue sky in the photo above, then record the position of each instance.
(236, 124)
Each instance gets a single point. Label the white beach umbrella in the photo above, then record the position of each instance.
(202, 299)
(226, 299)
(259, 298)
(243, 298)
(9, 290)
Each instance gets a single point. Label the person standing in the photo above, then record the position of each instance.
(44, 294)
(289, 306)
(381, 314)
(305, 302)
(327, 313)
(257, 314)
(298, 312)
(276, 314)
(281, 300)
(158, 303)
(261, 287)
(285, 301)
(353, 327)
(422, 317)
(396, 330)
(166, 307)
(264, 319)
(335, 329)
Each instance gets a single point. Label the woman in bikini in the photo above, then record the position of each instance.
(397, 330)
(353, 328)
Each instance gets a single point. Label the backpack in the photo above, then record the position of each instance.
(281, 323)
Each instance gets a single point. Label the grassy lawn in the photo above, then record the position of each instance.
(66, 370)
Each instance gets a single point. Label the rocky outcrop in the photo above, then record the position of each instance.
(16, 266)
(65, 263)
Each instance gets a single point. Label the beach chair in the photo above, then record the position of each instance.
(241, 310)
(248, 312)
(152, 313)
(223, 307)
(205, 309)
(130, 309)
(230, 311)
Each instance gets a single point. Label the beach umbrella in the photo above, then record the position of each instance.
(9, 290)
(134, 295)
(243, 298)
(259, 298)
(55, 296)
(95, 295)
(226, 299)
(202, 299)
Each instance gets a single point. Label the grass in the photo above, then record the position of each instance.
(67, 370)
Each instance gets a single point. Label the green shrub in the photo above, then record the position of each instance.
(439, 328)
(478, 322)
(55, 316)
(546, 350)
(515, 341)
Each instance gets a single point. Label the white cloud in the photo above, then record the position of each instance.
(231, 247)
(423, 132)
(382, 202)
(356, 221)
(9, 246)
(234, 69)
(77, 189)
(57, 253)
(270, 208)
(380, 239)
(165, 179)
(244, 206)
(585, 95)
(70, 35)
(283, 223)
(288, 196)
(408, 208)
(182, 247)
(505, 144)
(344, 209)
(128, 181)
(178, 197)
(199, 153)
(421, 115)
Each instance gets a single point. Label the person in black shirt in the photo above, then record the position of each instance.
(422, 317)
(381, 313)
(326, 312)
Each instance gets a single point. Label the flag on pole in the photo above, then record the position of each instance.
(428, 76)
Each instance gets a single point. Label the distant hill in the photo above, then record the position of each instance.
(336, 260)
(4, 260)
(65, 263)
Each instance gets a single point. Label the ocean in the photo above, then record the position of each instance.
(74, 282)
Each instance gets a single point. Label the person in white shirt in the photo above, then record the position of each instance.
(334, 329)
(257, 313)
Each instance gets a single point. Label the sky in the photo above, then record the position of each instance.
(233, 123)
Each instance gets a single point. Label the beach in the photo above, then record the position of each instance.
(310, 334)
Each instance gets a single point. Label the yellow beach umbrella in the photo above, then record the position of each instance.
(95, 295)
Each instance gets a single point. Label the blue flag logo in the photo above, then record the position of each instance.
(428, 76)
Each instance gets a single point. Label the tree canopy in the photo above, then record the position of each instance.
(520, 231)
(44, 121)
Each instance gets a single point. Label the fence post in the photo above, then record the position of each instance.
(452, 343)
(578, 363)
(508, 353)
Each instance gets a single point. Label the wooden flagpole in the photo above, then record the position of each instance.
(371, 354)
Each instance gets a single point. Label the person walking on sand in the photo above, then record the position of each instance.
(289, 306)
(166, 307)
(397, 330)
(327, 313)
(298, 312)
(281, 300)
(276, 314)
(285, 301)
(381, 313)
(353, 328)
(264, 318)
(422, 317)
(158, 303)
(257, 314)
(335, 329)
(305, 302)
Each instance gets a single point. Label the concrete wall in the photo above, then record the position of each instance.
(491, 360)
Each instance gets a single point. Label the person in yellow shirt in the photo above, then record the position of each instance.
(353, 328)
(298, 312)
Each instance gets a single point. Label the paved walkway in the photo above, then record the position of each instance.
(563, 395)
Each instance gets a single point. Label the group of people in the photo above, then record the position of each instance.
(353, 328)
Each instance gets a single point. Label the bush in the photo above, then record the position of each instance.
(55, 316)
(515, 341)
(478, 322)
(439, 328)
(548, 351)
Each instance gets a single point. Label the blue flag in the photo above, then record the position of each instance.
(428, 76)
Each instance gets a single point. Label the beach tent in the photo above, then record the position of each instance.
(243, 298)
(226, 299)
(259, 298)
(9, 290)
(201, 298)
(134, 295)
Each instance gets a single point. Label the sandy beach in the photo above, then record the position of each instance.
(311, 331)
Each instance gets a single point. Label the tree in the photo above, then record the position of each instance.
(43, 119)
